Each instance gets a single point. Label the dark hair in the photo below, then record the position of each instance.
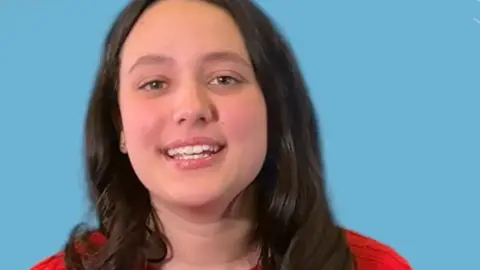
(295, 226)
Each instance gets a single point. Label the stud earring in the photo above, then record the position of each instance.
(123, 148)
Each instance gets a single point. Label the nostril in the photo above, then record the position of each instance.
(192, 116)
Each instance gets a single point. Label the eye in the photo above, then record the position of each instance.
(153, 85)
(224, 80)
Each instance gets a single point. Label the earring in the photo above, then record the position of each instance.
(123, 148)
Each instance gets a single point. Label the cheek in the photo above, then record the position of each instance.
(245, 123)
(140, 124)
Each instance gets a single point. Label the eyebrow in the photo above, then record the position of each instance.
(155, 59)
(151, 59)
(225, 56)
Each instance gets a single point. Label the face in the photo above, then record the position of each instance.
(193, 116)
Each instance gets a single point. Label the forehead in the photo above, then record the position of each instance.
(183, 30)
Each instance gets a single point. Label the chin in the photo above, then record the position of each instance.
(195, 200)
(211, 194)
(196, 197)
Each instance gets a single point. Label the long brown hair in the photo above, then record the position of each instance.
(295, 225)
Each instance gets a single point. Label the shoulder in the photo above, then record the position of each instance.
(369, 255)
(54, 262)
(373, 255)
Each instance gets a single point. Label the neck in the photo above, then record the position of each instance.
(213, 238)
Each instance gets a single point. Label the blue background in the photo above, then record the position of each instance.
(397, 88)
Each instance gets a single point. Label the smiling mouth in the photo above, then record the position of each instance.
(194, 152)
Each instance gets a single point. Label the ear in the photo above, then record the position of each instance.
(123, 145)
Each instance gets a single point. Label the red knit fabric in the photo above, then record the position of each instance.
(369, 255)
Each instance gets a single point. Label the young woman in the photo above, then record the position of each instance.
(202, 151)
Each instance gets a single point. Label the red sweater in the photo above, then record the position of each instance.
(369, 255)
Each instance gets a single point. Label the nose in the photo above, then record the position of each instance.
(194, 107)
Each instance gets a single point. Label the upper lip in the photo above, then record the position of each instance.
(193, 141)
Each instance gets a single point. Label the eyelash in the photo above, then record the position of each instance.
(146, 86)
(230, 81)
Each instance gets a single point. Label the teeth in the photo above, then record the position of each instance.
(193, 150)
(187, 157)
